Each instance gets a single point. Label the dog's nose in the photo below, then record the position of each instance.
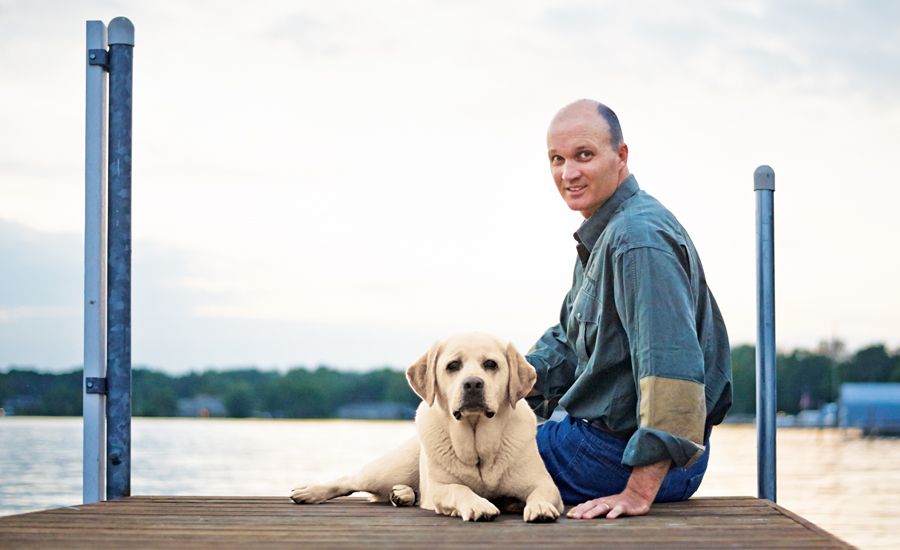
(473, 384)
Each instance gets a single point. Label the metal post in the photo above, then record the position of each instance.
(764, 187)
(118, 403)
(94, 404)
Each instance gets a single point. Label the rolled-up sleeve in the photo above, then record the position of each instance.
(553, 359)
(655, 302)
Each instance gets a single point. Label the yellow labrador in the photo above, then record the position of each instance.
(475, 442)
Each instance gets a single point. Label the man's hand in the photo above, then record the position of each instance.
(635, 500)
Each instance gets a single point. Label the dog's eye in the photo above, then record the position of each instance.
(453, 366)
(490, 364)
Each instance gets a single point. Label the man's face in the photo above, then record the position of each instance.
(586, 169)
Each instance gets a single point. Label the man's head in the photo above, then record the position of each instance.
(588, 158)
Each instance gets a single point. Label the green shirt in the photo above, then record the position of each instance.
(641, 349)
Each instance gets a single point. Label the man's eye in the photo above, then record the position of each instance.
(490, 364)
(453, 366)
(555, 159)
(585, 155)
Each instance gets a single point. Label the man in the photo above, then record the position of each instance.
(640, 358)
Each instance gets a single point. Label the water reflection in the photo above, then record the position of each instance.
(848, 485)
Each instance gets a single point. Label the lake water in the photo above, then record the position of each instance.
(846, 484)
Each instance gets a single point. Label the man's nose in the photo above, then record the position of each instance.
(570, 171)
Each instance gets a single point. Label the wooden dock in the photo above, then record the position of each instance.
(156, 522)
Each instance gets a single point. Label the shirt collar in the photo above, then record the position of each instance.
(591, 228)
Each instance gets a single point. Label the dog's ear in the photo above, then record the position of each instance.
(421, 374)
(522, 375)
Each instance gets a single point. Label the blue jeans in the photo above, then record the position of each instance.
(586, 463)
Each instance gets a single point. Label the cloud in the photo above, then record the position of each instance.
(40, 271)
(311, 184)
(306, 33)
(40, 293)
(816, 47)
(836, 47)
(182, 315)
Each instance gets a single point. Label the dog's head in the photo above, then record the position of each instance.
(472, 374)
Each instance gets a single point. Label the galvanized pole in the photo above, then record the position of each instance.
(94, 400)
(766, 396)
(118, 403)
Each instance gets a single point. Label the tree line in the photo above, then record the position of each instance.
(299, 393)
(806, 379)
(809, 379)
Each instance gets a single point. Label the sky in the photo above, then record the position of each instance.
(346, 182)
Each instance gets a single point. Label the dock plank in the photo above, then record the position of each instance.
(203, 522)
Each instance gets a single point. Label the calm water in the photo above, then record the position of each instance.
(846, 484)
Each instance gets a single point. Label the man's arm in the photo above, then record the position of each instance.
(553, 359)
(635, 500)
(653, 298)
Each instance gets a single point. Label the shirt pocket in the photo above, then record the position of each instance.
(586, 311)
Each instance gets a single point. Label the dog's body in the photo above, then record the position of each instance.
(475, 439)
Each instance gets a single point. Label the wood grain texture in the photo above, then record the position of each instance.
(204, 522)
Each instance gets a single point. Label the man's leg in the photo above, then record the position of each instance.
(586, 463)
(581, 467)
(681, 483)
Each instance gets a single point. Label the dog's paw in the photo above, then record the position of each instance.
(402, 495)
(540, 512)
(311, 494)
(479, 509)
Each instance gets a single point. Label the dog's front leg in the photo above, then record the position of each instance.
(452, 499)
(315, 494)
(543, 504)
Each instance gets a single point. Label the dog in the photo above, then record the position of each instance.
(475, 439)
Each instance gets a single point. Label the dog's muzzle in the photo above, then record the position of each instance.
(472, 398)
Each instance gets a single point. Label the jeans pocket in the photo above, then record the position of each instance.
(576, 457)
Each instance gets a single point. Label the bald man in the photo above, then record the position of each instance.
(639, 359)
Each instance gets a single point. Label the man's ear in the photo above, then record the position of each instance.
(622, 153)
(421, 374)
(522, 375)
